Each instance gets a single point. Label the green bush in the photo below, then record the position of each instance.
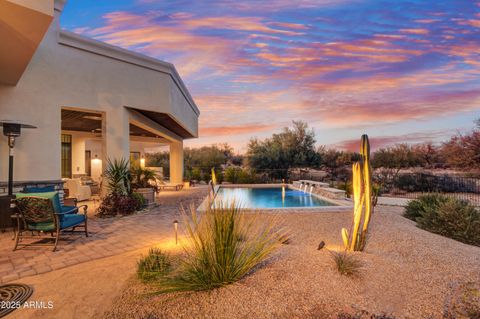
(446, 216)
(417, 208)
(154, 266)
(238, 175)
(223, 247)
(139, 199)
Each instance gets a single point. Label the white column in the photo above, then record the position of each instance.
(115, 134)
(78, 154)
(176, 162)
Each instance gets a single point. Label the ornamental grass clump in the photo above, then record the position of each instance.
(154, 266)
(346, 263)
(223, 245)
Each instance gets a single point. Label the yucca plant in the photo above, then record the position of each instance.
(222, 247)
(117, 175)
(363, 200)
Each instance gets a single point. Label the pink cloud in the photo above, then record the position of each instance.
(377, 142)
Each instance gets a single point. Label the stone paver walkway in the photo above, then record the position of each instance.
(108, 237)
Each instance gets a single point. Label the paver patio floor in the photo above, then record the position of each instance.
(108, 237)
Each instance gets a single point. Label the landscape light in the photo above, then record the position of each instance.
(175, 225)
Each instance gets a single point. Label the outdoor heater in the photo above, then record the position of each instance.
(12, 130)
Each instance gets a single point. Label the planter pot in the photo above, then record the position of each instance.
(148, 194)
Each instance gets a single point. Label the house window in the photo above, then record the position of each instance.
(135, 159)
(66, 156)
(88, 163)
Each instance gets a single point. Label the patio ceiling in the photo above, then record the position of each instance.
(92, 122)
(166, 121)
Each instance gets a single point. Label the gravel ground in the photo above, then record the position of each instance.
(408, 273)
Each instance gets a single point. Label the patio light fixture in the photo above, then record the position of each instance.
(12, 130)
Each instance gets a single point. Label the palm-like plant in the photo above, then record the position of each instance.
(117, 175)
(143, 178)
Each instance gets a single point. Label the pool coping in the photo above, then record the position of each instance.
(340, 205)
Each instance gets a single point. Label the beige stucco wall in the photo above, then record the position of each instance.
(62, 76)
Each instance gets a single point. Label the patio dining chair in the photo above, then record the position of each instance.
(67, 206)
(39, 214)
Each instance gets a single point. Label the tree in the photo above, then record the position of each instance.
(293, 147)
(428, 154)
(396, 157)
(463, 151)
(336, 163)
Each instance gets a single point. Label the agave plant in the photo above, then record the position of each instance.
(117, 175)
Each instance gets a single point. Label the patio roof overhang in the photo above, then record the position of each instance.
(23, 24)
(90, 122)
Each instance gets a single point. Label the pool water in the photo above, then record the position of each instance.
(275, 197)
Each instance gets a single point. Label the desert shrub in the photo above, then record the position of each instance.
(196, 174)
(155, 265)
(447, 216)
(346, 264)
(117, 204)
(432, 183)
(463, 301)
(363, 314)
(223, 247)
(139, 199)
(417, 208)
(238, 175)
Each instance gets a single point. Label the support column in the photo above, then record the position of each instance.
(176, 162)
(78, 155)
(115, 135)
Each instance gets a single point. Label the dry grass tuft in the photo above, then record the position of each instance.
(346, 264)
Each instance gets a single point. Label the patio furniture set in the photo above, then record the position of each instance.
(39, 211)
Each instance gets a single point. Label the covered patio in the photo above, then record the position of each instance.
(84, 150)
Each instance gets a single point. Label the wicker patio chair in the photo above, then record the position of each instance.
(37, 214)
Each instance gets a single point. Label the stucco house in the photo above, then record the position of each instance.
(89, 101)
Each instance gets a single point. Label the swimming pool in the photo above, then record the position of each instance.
(269, 197)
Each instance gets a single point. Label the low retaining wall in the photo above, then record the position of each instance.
(319, 188)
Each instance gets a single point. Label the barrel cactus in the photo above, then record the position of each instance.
(363, 200)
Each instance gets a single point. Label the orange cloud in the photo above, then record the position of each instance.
(235, 129)
(415, 31)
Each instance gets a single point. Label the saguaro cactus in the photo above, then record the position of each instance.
(362, 200)
(214, 177)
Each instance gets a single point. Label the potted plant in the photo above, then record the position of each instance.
(118, 200)
(144, 182)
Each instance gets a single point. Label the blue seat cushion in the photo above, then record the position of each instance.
(44, 189)
(53, 196)
(69, 209)
(70, 220)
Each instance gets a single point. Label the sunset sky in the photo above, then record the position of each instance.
(401, 71)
